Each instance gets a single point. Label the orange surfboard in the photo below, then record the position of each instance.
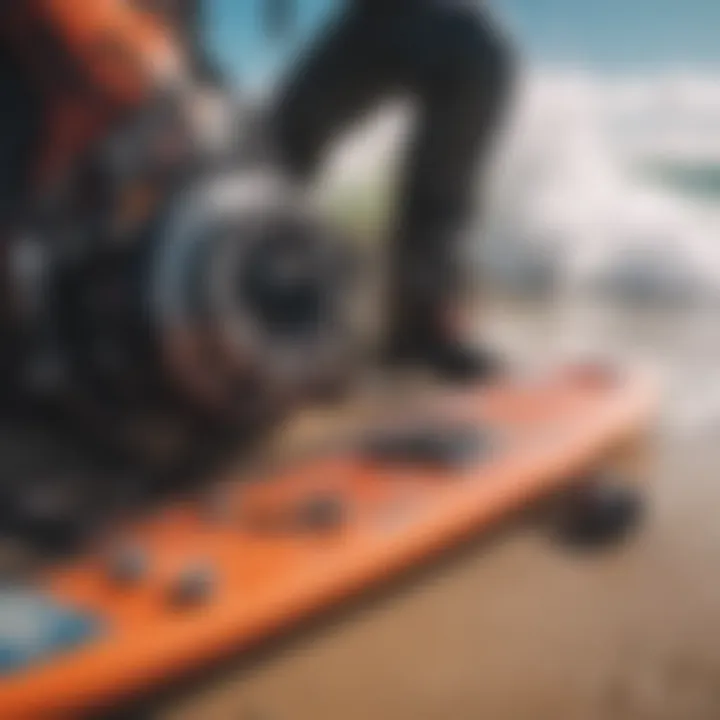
(204, 579)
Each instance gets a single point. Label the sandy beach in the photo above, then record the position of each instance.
(517, 628)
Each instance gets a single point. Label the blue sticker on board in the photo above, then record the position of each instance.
(33, 627)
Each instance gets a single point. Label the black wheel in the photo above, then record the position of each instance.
(599, 512)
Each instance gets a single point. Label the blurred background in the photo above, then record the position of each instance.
(603, 236)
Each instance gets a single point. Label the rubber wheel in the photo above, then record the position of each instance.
(600, 513)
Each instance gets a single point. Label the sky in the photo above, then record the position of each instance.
(614, 35)
(617, 33)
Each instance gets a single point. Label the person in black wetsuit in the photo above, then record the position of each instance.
(449, 57)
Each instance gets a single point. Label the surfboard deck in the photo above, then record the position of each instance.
(209, 576)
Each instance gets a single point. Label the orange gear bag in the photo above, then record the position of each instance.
(89, 62)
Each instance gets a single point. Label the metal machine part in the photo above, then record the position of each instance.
(245, 280)
(196, 288)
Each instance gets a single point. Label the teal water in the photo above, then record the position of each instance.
(691, 180)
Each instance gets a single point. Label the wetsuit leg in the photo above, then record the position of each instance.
(449, 59)
(346, 72)
(460, 70)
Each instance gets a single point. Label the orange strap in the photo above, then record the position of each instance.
(88, 61)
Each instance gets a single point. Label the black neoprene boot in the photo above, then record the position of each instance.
(427, 338)
(452, 361)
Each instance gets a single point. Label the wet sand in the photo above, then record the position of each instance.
(518, 628)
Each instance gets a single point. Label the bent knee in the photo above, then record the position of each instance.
(485, 56)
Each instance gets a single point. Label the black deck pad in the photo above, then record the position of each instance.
(430, 442)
